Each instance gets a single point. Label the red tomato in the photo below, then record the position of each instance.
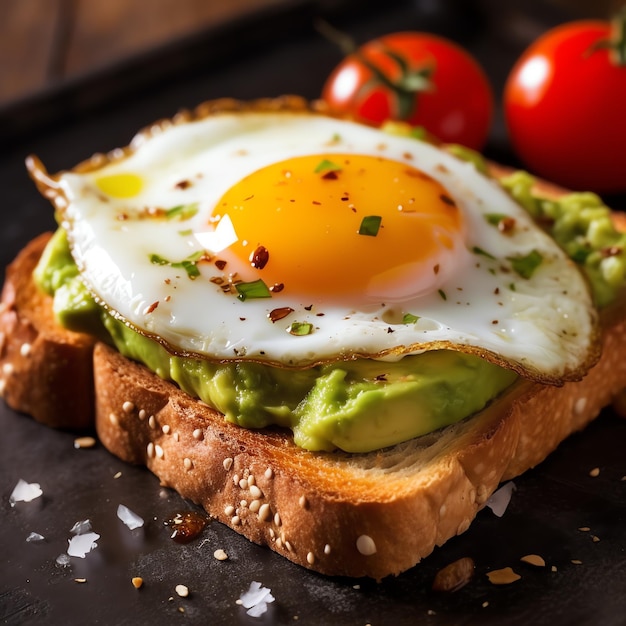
(419, 78)
(565, 107)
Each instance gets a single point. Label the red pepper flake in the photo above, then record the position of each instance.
(447, 200)
(308, 308)
(122, 217)
(417, 174)
(151, 308)
(436, 268)
(249, 197)
(611, 251)
(408, 156)
(277, 287)
(259, 257)
(316, 202)
(183, 184)
(506, 224)
(330, 175)
(220, 264)
(278, 314)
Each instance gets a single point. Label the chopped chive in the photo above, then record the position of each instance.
(182, 211)
(477, 250)
(409, 318)
(253, 290)
(495, 218)
(185, 233)
(190, 267)
(155, 259)
(526, 265)
(327, 166)
(370, 225)
(300, 328)
(188, 264)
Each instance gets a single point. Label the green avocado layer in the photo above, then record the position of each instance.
(356, 406)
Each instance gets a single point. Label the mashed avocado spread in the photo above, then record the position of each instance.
(360, 405)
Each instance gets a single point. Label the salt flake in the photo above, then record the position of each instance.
(34, 537)
(81, 527)
(24, 492)
(132, 520)
(80, 545)
(256, 599)
(499, 500)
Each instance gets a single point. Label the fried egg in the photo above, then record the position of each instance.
(292, 238)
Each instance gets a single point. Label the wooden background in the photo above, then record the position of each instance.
(43, 41)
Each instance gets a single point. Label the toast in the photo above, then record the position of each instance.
(360, 515)
(371, 514)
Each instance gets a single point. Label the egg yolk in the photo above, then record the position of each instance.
(120, 185)
(337, 225)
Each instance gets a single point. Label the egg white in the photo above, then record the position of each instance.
(543, 326)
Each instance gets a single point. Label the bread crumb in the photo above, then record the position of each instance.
(80, 580)
(84, 442)
(577, 562)
(182, 590)
(594, 472)
(504, 576)
(137, 582)
(454, 576)
(534, 559)
(220, 555)
(485, 604)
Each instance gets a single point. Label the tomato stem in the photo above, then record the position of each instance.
(619, 36)
(405, 89)
(616, 44)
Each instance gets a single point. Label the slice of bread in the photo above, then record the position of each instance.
(369, 514)
(47, 371)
